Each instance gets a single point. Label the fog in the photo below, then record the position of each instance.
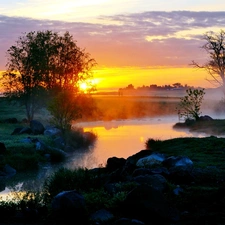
(122, 137)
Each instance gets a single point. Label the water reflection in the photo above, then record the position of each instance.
(115, 138)
(126, 137)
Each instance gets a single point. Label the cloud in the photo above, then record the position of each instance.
(154, 38)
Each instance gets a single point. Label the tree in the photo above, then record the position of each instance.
(64, 109)
(190, 105)
(44, 62)
(215, 66)
(68, 106)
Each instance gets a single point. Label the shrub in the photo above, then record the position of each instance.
(190, 105)
(152, 144)
(80, 179)
(23, 158)
(57, 155)
(79, 139)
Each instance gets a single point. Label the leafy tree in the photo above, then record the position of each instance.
(215, 66)
(64, 109)
(68, 106)
(44, 62)
(190, 105)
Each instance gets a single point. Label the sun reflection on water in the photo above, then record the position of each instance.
(126, 137)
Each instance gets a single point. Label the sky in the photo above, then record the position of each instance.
(139, 42)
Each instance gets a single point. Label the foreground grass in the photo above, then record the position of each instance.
(207, 154)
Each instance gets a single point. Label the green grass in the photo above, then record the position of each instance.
(14, 110)
(207, 154)
(207, 151)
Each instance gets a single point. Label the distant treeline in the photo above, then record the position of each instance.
(155, 87)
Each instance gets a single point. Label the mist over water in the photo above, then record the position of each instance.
(122, 138)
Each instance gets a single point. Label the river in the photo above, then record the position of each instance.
(120, 138)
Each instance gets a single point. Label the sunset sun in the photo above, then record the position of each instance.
(88, 85)
(83, 86)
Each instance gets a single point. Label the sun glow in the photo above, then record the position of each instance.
(83, 86)
(111, 79)
(88, 85)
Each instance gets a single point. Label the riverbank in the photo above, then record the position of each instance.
(209, 127)
(187, 192)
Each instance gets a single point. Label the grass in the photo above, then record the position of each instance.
(13, 110)
(207, 154)
(23, 156)
(207, 151)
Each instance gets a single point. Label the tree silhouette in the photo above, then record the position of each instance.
(215, 66)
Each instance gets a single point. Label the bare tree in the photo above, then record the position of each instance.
(215, 66)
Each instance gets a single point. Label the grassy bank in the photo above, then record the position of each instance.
(207, 154)
(212, 127)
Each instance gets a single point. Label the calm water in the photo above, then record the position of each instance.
(115, 138)
(126, 137)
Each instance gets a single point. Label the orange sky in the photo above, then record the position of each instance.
(109, 79)
(140, 43)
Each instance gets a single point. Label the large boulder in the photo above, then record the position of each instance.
(151, 160)
(52, 132)
(179, 162)
(7, 171)
(205, 118)
(37, 127)
(180, 169)
(149, 205)
(101, 216)
(69, 205)
(114, 163)
(17, 130)
(157, 181)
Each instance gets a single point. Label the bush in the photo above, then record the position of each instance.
(77, 139)
(80, 179)
(23, 159)
(57, 155)
(190, 105)
(152, 144)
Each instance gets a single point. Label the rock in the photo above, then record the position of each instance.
(115, 163)
(149, 205)
(101, 216)
(25, 130)
(17, 130)
(205, 118)
(52, 132)
(7, 171)
(151, 160)
(37, 127)
(68, 205)
(157, 181)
